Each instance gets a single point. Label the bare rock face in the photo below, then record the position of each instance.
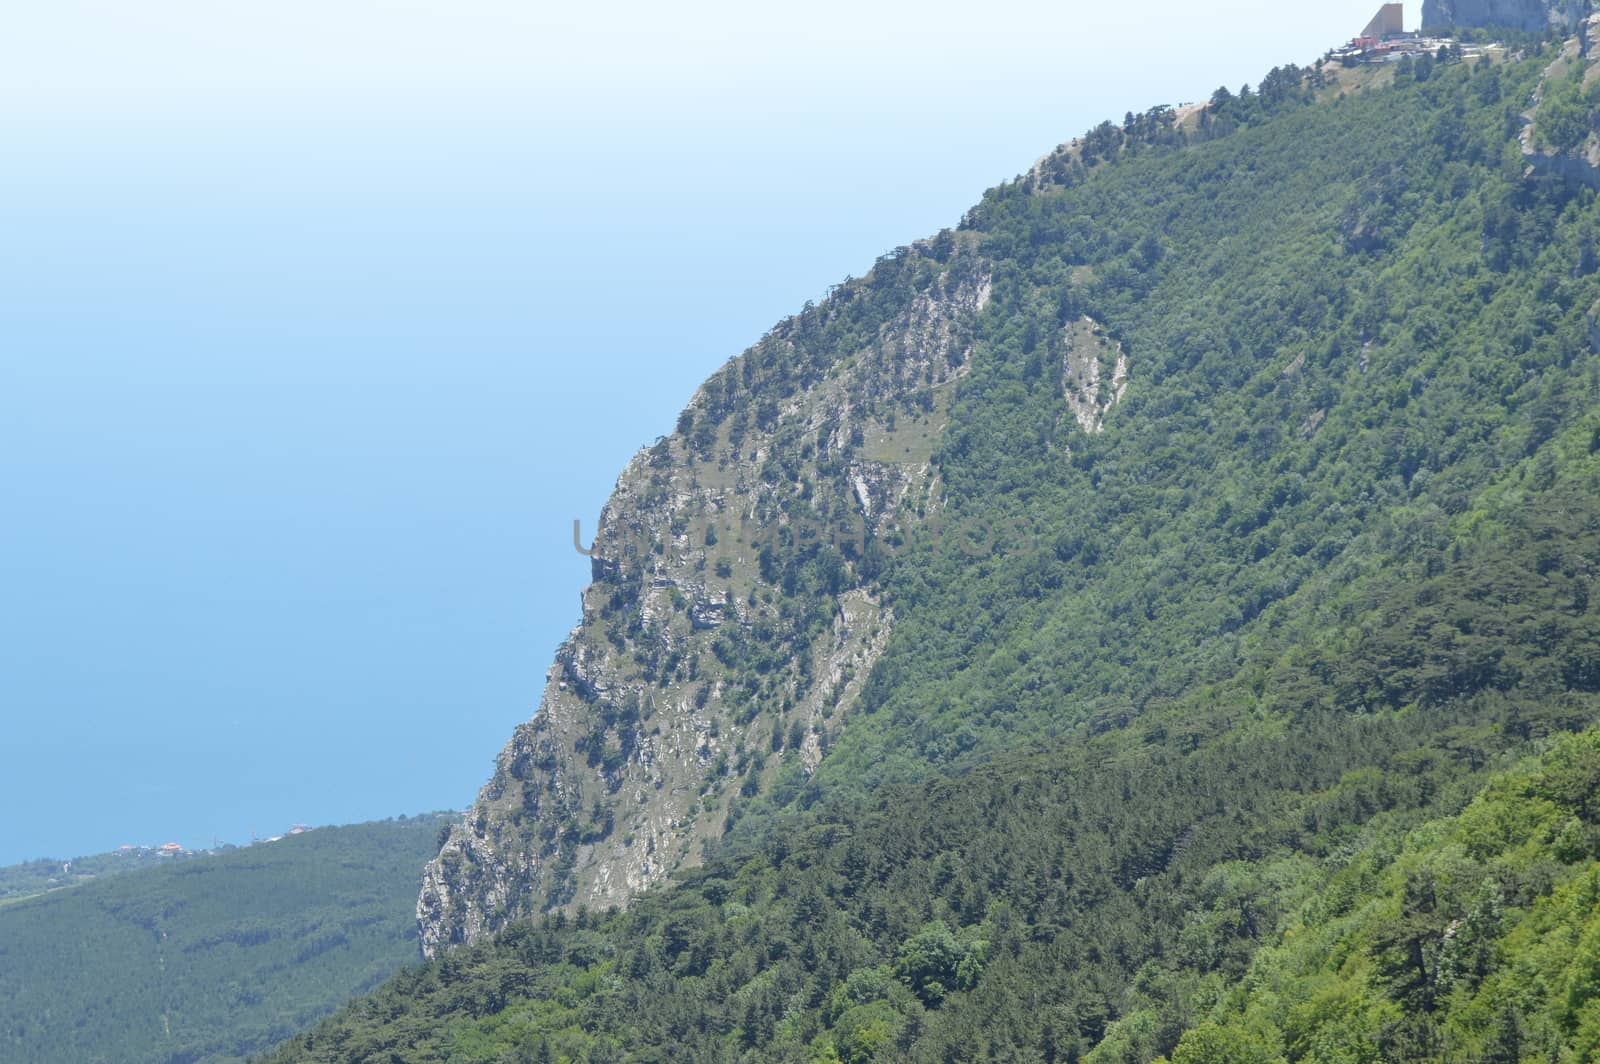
(1094, 373)
(1531, 15)
(729, 627)
(1558, 149)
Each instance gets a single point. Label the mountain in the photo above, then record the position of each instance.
(1136, 622)
(208, 957)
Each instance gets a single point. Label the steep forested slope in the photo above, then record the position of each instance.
(1259, 527)
(982, 936)
(211, 958)
(1089, 899)
(1475, 937)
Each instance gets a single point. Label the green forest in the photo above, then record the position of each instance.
(210, 958)
(1258, 726)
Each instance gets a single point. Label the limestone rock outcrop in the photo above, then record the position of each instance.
(730, 623)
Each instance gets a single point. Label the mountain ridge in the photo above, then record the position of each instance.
(1157, 670)
(700, 649)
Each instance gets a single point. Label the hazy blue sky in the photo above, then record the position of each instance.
(320, 322)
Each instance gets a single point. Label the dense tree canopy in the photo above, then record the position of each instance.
(214, 957)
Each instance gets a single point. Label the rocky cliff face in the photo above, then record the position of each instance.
(1090, 358)
(1532, 15)
(1558, 136)
(729, 626)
